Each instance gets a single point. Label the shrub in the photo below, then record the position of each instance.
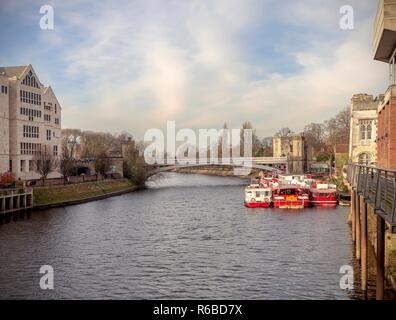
(7, 178)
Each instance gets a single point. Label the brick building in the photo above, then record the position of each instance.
(385, 51)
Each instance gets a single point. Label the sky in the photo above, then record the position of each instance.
(132, 65)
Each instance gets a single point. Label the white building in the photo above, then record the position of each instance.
(30, 120)
(363, 131)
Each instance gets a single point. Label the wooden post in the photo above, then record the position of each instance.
(380, 257)
(364, 261)
(357, 226)
(353, 202)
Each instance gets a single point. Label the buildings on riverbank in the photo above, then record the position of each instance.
(30, 121)
(296, 149)
(385, 51)
(363, 128)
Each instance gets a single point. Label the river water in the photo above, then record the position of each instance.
(186, 236)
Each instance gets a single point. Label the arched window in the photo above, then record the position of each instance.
(30, 80)
(363, 129)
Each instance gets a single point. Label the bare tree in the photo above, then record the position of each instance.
(256, 144)
(338, 129)
(315, 135)
(96, 143)
(102, 163)
(67, 158)
(284, 132)
(45, 162)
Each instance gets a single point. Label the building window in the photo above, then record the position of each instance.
(22, 165)
(10, 165)
(31, 132)
(30, 97)
(365, 158)
(366, 130)
(30, 80)
(369, 131)
(56, 121)
(4, 89)
(55, 147)
(48, 135)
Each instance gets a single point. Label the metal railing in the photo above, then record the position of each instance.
(13, 192)
(378, 187)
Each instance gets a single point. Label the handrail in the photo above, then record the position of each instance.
(378, 187)
(15, 191)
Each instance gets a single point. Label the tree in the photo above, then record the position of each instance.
(284, 133)
(45, 162)
(315, 136)
(96, 143)
(256, 144)
(135, 168)
(102, 163)
(338, 129)
(67, 158)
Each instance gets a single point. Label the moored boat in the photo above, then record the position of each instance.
(323, 194)
(291, 197)
(258, 195)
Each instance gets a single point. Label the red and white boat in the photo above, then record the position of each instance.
(291, 197)
(258, 195)
(323, 194)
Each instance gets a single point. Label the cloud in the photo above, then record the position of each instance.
(133, 65)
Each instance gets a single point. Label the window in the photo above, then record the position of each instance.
(56, 121)
(366, 130)
(30, 80)
(23, 165)
(48, 135)
(55, 149)
(369, 131)
(30, 97)
(365, 158)
(4, 89)
(30, 131)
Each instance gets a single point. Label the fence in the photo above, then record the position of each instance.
(71, 180)
(378, 187)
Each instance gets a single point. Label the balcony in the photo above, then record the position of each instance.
(385, 30)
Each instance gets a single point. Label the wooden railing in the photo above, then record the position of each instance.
(378, 187)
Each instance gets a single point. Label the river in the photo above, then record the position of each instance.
(185, 237)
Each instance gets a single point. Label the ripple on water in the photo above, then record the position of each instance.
(188, 236)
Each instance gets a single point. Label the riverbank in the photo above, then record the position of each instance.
(56, 196)
(215, 171)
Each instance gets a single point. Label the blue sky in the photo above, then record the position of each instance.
(133, 65)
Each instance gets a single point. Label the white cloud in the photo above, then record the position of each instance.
(188, 62)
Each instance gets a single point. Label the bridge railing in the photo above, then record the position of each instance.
(229, 160)
(378, 187)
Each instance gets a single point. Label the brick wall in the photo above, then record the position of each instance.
(386, 143)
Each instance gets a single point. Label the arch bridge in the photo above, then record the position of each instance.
(268, 164)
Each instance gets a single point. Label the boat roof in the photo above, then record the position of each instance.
(323, 190)
(290, 186)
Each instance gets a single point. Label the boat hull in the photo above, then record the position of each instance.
(322, 203)
(257, 204)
